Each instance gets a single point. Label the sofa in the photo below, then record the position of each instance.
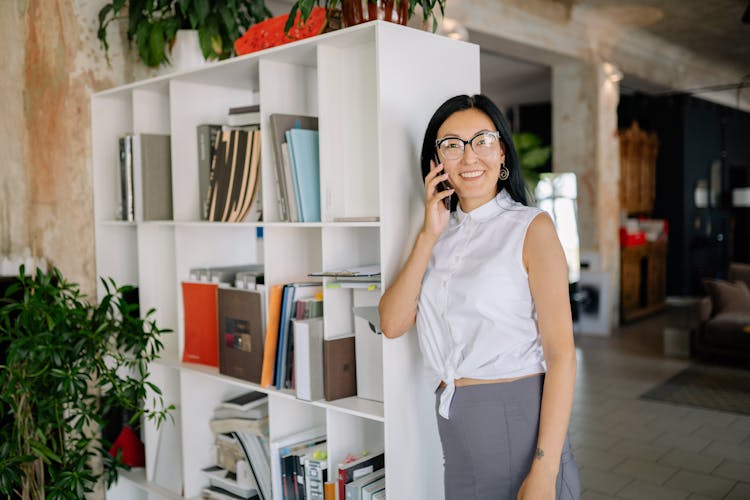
(723, 332)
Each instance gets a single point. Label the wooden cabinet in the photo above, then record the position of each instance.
(638, 150)
(643, 282)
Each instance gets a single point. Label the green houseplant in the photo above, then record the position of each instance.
(153, 24)
(357, 11)
(65, 364)
(532, 156)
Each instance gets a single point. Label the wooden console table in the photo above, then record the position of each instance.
(643, 279)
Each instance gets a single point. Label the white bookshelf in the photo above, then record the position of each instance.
(374, 88)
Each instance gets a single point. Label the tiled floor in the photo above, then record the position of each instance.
(628, 448)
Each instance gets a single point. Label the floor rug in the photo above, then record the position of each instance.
(706, 386)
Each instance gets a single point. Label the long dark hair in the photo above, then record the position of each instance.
(515, 184)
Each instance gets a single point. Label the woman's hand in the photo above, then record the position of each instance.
(436, 216)
(538, 485)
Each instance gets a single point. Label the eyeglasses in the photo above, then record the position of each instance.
(483, 144)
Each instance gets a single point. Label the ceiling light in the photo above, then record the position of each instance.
(453, 29)
(613, 74)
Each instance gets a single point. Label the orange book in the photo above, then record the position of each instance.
(199, 301)
(329, 491)
(272, 335)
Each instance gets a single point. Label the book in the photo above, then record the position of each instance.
(285, 350)
(152, 177)
(245, 401)
(355, 489)
(304, 148)
(256, 450)
(339, 368)
(287, 173)
(208, 137)
(316, 474)
(280, 123)
(228, 451)
(234, 184)
(272, 335)
(368, 271)
(127, 208)
(249, 426)
(379, 495)
(227, 275)
(241, 330)
(329, 489)
(216, 493)
(308, 358)
(369, 491)
(240, 483)
(200, 309)
(350, 471)
(244, 115)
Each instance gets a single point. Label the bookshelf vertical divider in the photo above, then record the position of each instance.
(373, 88)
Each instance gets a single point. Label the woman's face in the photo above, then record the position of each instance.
(473, 177)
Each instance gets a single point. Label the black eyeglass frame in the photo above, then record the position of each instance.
(438, 142)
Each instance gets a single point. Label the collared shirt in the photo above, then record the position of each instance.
(475, 316)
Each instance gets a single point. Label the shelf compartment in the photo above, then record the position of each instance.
(111, 118)
(349, 434)
(288, 88)
(348, 122)
(193, 104)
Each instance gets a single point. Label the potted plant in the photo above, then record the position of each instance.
(154, 24)
(64, 363)
(354, 12)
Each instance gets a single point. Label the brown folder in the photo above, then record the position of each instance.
(339, 368)
(241, 333)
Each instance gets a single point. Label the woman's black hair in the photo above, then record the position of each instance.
(515, 184)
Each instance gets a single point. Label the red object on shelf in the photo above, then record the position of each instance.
(270, 33)
(631, 239)
(201, 323)
(133, 453)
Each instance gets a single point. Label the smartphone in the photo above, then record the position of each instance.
(443, 185)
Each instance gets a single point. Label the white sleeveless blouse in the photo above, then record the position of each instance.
(475, 315)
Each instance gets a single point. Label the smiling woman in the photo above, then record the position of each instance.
(487, 285)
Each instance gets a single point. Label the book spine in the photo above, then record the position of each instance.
(207, 145)
(126, 178)
(315, 477)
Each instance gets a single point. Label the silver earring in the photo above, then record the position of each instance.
(504, 172)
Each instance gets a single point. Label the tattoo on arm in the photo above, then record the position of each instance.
(539, 453)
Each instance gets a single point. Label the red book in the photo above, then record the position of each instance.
(350, 471)
(199, 301)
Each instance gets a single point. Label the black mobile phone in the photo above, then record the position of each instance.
(443, 185)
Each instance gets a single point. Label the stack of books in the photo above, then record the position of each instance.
(229, 167)
(145, 178)
(302, 461)
(289, 304)
(202, 298)
(243, 465)
(297, 149)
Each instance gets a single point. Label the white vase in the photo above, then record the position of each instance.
(186, 51)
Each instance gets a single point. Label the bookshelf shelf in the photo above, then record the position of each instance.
(373, 89)
(137, 478)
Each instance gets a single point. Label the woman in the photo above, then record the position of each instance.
(487, 285)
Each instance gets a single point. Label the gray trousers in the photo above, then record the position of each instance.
(490, 439)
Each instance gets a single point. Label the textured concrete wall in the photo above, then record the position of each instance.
(55, 64)
(14, 200)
